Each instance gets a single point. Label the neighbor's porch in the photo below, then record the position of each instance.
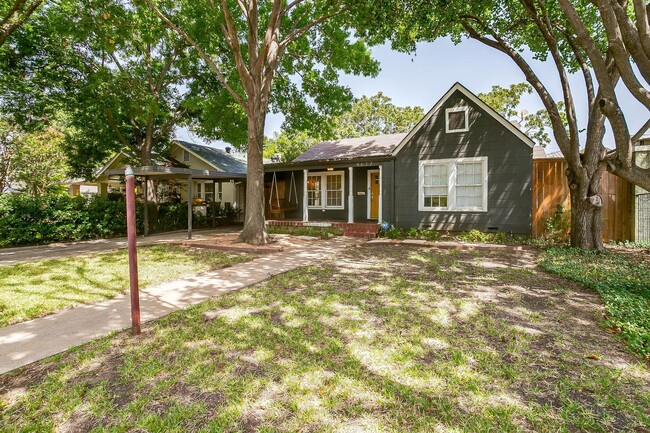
(197, 188)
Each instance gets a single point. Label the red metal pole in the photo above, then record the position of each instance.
(133, 251)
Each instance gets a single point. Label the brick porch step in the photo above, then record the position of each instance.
(367, 230)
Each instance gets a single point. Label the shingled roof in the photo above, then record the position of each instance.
(352, 148)
(216, 157)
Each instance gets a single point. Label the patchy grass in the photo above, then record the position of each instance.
(384, 339)
(34, 289)
(622, 278)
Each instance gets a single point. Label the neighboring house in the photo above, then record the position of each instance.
(462, 167)
(641, 196)
(215, 174)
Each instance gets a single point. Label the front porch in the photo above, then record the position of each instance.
(332, 193)
(366, 229)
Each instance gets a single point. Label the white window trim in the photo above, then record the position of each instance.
(323, 192)
(451, 185)
(456, 110)
(203, 194)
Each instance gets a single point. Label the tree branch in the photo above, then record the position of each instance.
(608, 102)
(15, 17)
(241, 101)
(116, 129)
(301, 31)
(543, 24)
(230, 33)
(570, 152)
(290, 6)
(636, 137)
(642, 24)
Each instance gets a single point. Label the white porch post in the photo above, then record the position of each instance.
(381, 203)
(305, 212)
(350, 197)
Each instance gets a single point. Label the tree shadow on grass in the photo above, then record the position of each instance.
(353, 349)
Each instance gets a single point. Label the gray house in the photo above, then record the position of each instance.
(462, 167)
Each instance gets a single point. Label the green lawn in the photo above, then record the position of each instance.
(35, 289)
(621, 277)
(384, 339)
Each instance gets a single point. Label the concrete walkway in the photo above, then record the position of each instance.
(12, 256)
(26, 342)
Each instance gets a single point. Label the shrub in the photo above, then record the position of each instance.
(557, 227)
(58, 218)
(172, 216)
(477, 236)
(411, 233)
(319, 232)
(26, 220)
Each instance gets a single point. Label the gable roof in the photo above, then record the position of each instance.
(108, 164)
(472, 98)
(352, 148)
(217, 158)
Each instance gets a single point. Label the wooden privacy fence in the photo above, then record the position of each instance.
(550, 188)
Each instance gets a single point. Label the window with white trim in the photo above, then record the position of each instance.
(458, 184)
(205, 190)
(457, 119)
(334, 190)
(435, 185)
(325, 190)
(186, 156)
(314, 194)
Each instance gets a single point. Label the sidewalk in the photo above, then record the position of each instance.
(12, 256)
(26, 342)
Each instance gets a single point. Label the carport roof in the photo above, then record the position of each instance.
(171, 172)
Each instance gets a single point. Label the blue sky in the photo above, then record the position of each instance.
(423, 77)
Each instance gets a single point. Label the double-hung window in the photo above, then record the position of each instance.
(325, 190)
(435, 185)
(453, 185)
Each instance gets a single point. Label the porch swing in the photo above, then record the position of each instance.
(280, 205)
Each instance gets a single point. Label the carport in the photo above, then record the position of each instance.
(177, 173)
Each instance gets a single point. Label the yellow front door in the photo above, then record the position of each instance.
(374, 195)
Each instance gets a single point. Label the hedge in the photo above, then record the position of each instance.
(26, 220)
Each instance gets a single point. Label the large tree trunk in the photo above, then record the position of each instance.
(254, 231)
(586, 210)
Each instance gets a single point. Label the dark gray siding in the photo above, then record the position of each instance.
(387, 186)
(509, 173)
(360, 186)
